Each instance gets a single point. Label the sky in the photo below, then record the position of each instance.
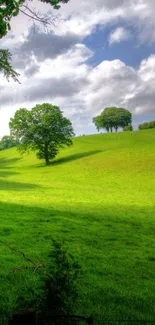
(97, 54)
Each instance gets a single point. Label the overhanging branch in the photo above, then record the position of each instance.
(45, 19)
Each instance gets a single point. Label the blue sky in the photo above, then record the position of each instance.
(99, 54)
(129, 51)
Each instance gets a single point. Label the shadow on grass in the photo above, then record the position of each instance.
(16, 186)
(6, 162)
(6, 165)
(75, 157)
(115, 244)
(6, 173)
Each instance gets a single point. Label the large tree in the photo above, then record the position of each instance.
(113, 117)
(43, 129)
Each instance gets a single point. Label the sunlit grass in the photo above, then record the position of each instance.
(99, 197)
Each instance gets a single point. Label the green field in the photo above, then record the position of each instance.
(99, 197)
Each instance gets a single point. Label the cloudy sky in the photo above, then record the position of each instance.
(99, 53)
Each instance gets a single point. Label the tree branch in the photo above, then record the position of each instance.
(25, 257)
(45, 19)
(35, 266)
(5, 66)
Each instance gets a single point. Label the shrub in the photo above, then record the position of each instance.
(152, 124)
(128, 128)
(147, 125)
(60, 290)
(7, 142)
(57, 292)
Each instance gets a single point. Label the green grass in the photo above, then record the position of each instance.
(99, 197)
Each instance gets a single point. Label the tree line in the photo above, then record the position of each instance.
(147, 125)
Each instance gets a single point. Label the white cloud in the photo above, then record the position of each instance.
(55, 69)
(84, 17)
(118, 35)
(82, 91)
(81, 18)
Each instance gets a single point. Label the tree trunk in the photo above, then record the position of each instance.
(47, 162)
(111, 128)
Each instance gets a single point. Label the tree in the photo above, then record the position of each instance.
(7, 142)
(112, 117)
(125, 117)
(43, 129)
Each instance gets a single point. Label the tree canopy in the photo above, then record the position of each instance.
(43, 129)
(113, 117)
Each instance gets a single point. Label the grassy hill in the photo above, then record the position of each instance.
(99, 197)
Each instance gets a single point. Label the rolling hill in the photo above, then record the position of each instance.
(97, 196)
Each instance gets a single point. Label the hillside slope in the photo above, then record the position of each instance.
(99, 197)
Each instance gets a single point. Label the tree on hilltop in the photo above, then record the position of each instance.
(113, 117)
(43, 129)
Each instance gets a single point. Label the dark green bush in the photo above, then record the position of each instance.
(7, 142)
(57, 292)
(128, 128)
(147, 125)
(59, 285)
(152, 124)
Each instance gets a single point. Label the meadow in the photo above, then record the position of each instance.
(98, 196)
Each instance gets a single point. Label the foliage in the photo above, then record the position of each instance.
(5, 66)
(112, 117)
(11, 8)
(147, 125)
(7, 142)
(57, 290)
(128, 128)
(43, 129)
(59, 286)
